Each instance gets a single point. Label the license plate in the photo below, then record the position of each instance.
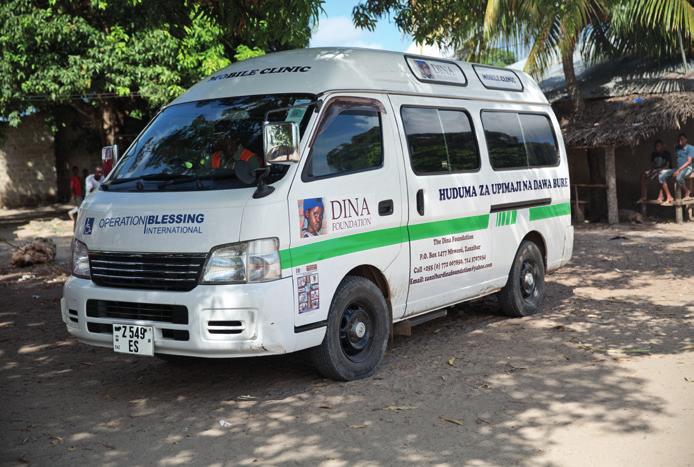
(128, 338)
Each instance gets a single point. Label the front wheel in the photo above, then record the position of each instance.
(525, 289)
(357, 332)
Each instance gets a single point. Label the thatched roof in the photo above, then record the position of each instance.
(620, 77)
(627, 101)
(626, 120)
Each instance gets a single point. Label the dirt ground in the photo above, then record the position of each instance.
(605, 376)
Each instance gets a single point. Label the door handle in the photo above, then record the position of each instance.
(385, 207)
(420, 202)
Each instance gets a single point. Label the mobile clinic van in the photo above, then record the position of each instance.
(311, 199)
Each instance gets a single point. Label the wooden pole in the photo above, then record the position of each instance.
(611, 179)
(679, 218)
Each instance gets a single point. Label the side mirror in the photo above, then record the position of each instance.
(281, 142)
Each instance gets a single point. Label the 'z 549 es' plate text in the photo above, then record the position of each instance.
(128, 338)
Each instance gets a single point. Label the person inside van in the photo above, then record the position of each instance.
(229, 150)
(685, 155)
(660, 161)
(313, 217)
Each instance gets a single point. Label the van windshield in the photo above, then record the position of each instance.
(206, 145)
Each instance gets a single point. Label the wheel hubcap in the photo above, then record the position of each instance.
(359, 329)
(355, 332)
(528, 279)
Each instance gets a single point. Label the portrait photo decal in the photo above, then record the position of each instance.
(311, 212)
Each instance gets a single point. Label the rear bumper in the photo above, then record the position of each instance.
(264, 313)
(568, 245)
(567, 248)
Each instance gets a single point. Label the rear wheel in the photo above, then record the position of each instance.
(525, 289)
(357, 332)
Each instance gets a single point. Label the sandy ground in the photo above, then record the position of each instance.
(605, 376)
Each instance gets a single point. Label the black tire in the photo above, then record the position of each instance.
(357, 333)
(525, 289)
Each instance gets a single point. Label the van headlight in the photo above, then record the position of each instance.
(239, 263)
(80, 260)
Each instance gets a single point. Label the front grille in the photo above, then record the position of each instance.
(175, 314)
(100, 328)
(154, 271)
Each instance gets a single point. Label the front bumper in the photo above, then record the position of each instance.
(263, 313)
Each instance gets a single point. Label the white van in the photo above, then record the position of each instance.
(310, 199)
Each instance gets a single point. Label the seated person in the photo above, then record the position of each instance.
(229, 150)
(660, 161)
(685, 154)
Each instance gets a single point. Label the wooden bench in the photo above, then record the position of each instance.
(686, 205)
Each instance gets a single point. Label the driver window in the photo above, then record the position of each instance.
(349, 140)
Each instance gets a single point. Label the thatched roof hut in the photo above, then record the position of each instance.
(628, 120)
(627, 102)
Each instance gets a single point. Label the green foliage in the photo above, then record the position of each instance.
(451, 23)
(548, 28)
(109, 59)
(477, 29)
(498, 57)
(243, 52)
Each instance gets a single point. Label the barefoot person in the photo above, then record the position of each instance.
(685, 154)
(660, 161)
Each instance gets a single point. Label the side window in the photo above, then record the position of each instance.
(519, 140)
(539, 140)
(504, 137)
(349, 140)
(440, 141)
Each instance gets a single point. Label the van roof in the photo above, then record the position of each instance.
(319, 70)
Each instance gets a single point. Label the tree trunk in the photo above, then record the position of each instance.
(611, 181)
(567, 61)
(110, 124)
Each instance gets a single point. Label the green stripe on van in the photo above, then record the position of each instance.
(554, 210)
(448, 227)
(506, 218)
(326, 249)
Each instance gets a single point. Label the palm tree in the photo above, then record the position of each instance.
(602, 28)
(550, 29)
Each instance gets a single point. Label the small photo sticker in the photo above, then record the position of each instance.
(311, 211)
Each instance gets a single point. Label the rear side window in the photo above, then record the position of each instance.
(349, 140)
(440, 140)
(539, 140)
(519, 140)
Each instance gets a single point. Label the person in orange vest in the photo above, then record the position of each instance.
(231, 150)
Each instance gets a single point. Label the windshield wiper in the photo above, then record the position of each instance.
(150, 177)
